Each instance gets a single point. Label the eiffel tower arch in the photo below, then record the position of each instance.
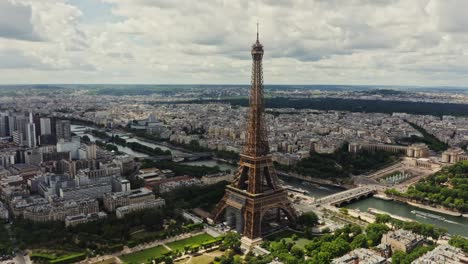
(255, 195)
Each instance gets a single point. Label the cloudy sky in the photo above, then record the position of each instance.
(395, 42)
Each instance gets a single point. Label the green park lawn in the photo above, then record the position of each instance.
(144, 255)
(301, 242)
(195, 240)
(51, 256)
(280, 235)
(286, 235)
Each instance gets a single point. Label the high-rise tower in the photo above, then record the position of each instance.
(254, 198)
(63, 130)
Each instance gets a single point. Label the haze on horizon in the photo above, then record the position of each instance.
(391, 42)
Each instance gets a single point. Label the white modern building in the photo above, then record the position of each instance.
(46, 128)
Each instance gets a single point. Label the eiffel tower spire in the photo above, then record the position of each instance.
(257, 142)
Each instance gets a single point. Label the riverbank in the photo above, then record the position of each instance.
(422, 206)
(165, 144)
(434, 209)
(401, 218)
(234, 163)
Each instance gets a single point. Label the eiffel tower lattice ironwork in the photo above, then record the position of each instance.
(255, 189)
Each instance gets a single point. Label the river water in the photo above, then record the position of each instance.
(78, 131)
(455, 225)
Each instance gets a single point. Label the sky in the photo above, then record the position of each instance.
(354, 42)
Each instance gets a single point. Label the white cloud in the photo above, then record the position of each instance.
(421, 42)
(15, 21)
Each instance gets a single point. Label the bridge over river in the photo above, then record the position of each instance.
(348, 196)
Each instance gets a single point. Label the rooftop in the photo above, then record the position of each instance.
(443, 254)
(403, 236)
(361, 256)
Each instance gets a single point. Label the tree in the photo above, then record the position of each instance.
(398, 257)
(383, 218)
(459, 242)
(360, 241)
(195, 248)
(237, 259)
(375, 231)
(336, 248)
(320, 258)
(232, 241)
(297, 252)
(136, 182)
(168, 260)
(308, 219)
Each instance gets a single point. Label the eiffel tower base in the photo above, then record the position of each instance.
(248, 244)
(250, 210)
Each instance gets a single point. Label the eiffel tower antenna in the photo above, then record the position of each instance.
(257, 30)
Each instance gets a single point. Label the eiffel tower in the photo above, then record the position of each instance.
(254, 196)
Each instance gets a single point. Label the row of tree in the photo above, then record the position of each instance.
(459, 242)
(352, 105)
(107, 235)
(181, 169)
(321, 249)
(204, 197)
(325, 248)
(222, 154)
(431, 141)
(135, 146)
(5, 243)
(400, 257)
(426, 230)
(448, 187)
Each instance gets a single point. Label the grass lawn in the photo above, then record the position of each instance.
(144, 255)
(198, 239)
(286, 235)
(51, 256)
(203, 259)
(281, 234)
(301, 242)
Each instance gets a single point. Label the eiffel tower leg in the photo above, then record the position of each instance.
(252, 228)
(220, 207)
(239, 222)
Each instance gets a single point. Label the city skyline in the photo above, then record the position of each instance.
(304, 171)
(314, 42)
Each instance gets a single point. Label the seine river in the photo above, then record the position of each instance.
(455, 225)
(77, 129)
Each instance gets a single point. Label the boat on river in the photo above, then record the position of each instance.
(177, 159)
(427, 215)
